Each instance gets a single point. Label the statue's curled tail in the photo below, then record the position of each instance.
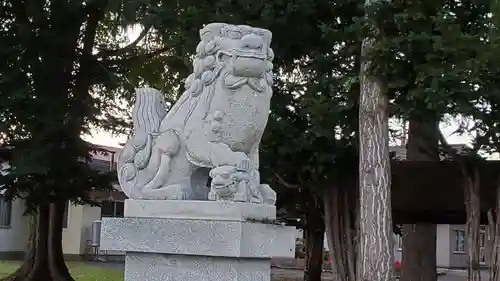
(138, 164)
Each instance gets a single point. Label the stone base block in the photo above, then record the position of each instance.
(200, 210)
(197, 240)
(198, 237)
(164, 267)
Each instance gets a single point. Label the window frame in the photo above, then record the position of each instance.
(114, 208)
(456, 246)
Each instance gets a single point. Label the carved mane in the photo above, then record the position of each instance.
(207, 68)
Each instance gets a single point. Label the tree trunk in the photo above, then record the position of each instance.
(58, 268)
(375, 259)
(419, 253)
(314, 241)
(45, 261)
(419, 240)
(30, 247)
(341, 234)
(494, 241)
(472, 206)
(40, 270)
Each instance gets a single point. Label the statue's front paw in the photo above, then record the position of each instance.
(268, 194)
(240, 197)
(170, 192)
(212, 196)
(256, 200)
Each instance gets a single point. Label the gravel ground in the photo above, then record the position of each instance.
(460, 275)
(296, 275)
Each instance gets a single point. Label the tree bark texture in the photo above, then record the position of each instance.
(419, 240)
(419, 252)
(493, 237)
(45, 260)
(58, 268)
(375, 260)
(30, 247)
(40, 270)
(341, 234)
(472, 229)
(314, 242)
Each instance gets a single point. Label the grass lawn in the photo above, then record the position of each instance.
(85, 272)
(79, 271)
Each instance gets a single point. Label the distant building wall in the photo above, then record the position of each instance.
(458, 247)
(442, 246)
(14, 234)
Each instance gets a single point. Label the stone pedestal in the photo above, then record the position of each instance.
(197, 240)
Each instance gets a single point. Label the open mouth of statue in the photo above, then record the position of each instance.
(244, 63)
(223, 190)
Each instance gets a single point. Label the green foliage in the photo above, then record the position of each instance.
(63, 65)
(439, 58)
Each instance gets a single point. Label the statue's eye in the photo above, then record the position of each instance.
(234, 34)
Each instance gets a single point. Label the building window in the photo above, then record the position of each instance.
(399, 242)
(459, 241)
(5, 212)
(482, 244)
(66, 215)
(112, 209)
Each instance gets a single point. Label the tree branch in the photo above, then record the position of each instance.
(140, 56)
(132, 45)
(95, 14)
(285, 183)
(450, 151)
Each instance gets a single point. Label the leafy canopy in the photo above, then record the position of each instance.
(63, 67)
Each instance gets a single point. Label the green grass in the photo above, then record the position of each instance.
(79, 271)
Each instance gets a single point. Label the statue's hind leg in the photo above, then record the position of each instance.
(204, 153)
(166, 151)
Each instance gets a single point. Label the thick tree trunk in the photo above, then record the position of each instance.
(419, 240)
(419, 252)
(40, 270)
(493, 249)
(58, 268)
(472, 205)
(314, 241)
(494, 241)
(45, 260)
(341, 234)
(30, 247)
(375, 259)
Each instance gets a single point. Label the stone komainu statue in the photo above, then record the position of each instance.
(213, 130)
